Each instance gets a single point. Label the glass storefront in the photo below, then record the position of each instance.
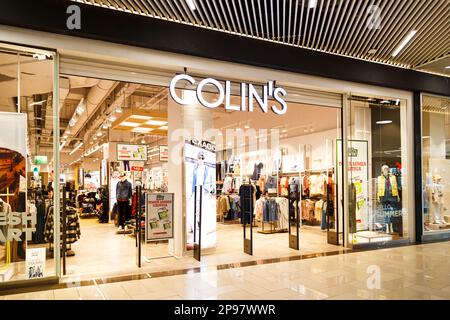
(287, 148)
(26, 165)
(377, 170)
(435, 163)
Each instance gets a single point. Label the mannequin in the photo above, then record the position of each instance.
(437, 200)
(124, 192)
(388, 196)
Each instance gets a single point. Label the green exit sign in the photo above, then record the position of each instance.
(40, 160)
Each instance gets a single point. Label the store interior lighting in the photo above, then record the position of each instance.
(37, 103)
(384, 122)
(80, 108)
(76, 148)
(155, 122)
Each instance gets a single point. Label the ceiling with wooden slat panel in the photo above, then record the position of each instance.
(364, 29)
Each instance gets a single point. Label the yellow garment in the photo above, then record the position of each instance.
(382, 186)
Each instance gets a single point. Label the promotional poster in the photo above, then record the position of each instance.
(159, 216)
(200, 170)
(358, 174)
(13, 155)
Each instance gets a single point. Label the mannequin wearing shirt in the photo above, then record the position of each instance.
(387, 193)
(124, 192)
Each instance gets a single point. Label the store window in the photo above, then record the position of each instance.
(436, 163)
(377, 167)
(26, 165)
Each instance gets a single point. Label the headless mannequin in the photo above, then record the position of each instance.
(437, 200)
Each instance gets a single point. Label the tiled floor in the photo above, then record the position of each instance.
(412, 272)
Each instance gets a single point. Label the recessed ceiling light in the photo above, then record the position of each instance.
(142, 130)
(129, 124)
(404, 42)
(139, 117)
(119, 109)
(99, 134)
(384, 122)
(113, 118)
(156, 122)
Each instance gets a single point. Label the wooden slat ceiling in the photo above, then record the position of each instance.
(344, 27)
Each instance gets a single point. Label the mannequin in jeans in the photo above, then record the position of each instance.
(124, 193)
(388, 196)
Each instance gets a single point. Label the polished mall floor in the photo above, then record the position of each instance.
(409, 272)
(101, 252)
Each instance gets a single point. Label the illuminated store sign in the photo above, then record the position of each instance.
(249, 95)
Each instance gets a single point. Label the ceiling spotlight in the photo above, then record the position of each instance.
(119, 109)
(385, 101)
(108, 124)
(447, 67)
(284, 130)
(397, 102)
(143, 141)
(99, 134)
(94, 138)
(113, 118)
(105, 125)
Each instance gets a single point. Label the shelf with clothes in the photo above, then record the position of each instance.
(315, 186)
(272, 210)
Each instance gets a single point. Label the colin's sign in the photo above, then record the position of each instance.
(248, 94)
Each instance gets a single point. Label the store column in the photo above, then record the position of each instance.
(185, 122)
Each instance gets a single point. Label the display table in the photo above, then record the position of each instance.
(372, 236)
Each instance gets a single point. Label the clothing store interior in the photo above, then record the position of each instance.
(266, 171)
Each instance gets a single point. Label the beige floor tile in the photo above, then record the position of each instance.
(67, 294)
(39, 295)
(90, 293)
(155, 295)
(134, 288)
(114, 292)
(278, 294)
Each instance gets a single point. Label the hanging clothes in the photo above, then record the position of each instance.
(73, 231)
(283, 210)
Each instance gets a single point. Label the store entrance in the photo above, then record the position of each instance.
(278, 174)
(115, 137)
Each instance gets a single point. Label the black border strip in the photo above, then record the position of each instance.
(131, 29)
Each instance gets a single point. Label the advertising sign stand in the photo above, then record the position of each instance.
(197, 246)
(64, 229)
(159, 224)
(294, 218)
(138, 225)
(247, 211)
